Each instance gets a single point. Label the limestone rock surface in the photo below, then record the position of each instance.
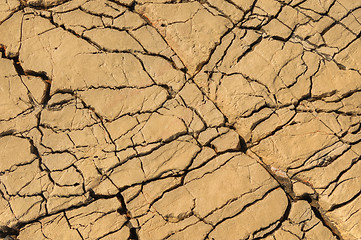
(158, 119)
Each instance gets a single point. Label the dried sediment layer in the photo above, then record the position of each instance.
(180, 120)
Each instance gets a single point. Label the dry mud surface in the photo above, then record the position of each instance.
(211, 119)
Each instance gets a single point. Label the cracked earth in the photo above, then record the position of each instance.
(171, 119)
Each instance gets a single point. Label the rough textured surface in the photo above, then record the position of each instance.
(156, 119)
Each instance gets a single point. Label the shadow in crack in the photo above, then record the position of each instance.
(6, 231)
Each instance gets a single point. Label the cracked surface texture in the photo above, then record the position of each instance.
(172, 119)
